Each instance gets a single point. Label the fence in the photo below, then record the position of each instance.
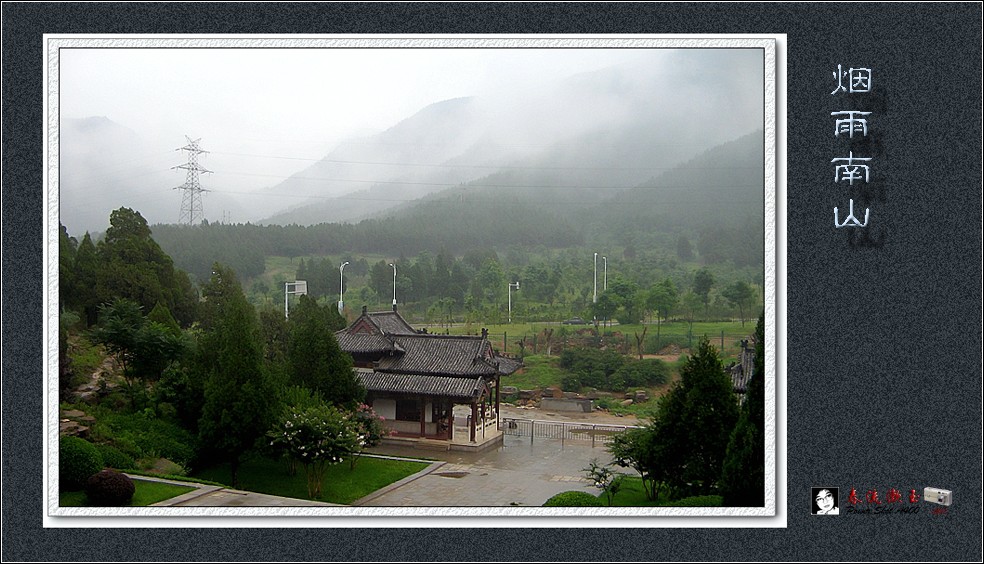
(596, 434)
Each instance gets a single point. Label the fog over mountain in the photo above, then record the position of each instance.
(585, 137)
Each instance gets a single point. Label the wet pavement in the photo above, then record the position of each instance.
(517, 473)
(520, 472)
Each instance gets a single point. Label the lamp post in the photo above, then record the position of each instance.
(512, 285)
(594, 300)
(341, 287)
(393, 264)
(606, 272)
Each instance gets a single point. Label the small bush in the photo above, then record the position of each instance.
(77, 460)
(697, 501)
(570, 384)
(109, 488)
(573, 499)
(113, 458)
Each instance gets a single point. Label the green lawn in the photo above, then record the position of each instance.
(146, 493)
(342, 485)
(632, 494)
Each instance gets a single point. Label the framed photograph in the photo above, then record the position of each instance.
(532, 276)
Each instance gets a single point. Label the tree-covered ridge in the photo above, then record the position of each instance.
(711, 205)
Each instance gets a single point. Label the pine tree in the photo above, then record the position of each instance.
(315, 359)
(237, 408)
(695, 421)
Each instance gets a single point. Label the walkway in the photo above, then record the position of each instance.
(516, 474)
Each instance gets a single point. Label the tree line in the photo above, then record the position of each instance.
(205, 358)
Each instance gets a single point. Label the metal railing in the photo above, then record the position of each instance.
(594, 433)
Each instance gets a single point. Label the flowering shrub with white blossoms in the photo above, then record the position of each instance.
(316, 437)
(371, 431)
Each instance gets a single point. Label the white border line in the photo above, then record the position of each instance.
(772, 515)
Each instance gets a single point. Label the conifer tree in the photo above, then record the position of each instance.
(315, 359)
(237, 396)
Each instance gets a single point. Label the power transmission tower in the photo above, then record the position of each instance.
(191, 201)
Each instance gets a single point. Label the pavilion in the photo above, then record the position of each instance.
(414, 380)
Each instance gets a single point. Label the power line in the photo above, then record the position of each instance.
(489, 166)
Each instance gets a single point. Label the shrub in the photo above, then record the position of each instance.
(109, 488)
(697, 501)
(77, 460)
(573, 499)
(593, 367)
(642, 373)
(570, 383)
(113, 458)
(142, 435)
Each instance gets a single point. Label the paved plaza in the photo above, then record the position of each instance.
(515, 474)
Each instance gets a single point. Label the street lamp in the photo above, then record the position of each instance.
(606, 272)
(594, 300)
(341, 287)
(512, 285)
(393, 264)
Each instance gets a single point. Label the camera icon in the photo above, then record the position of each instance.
(938, 496)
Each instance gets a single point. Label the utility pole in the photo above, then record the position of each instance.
(393, 264)
(594, 300)
(606, 272)
(512, 286)
(191, 201)
(341, 287)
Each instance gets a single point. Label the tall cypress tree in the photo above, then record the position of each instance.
(315, 359)
(743, 478)
(695, 421)
(237, 408)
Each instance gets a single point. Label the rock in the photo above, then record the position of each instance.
(525, 394)
(627, 403)
(553, 392)
(509, 390)
(641, 396)
(72, 414)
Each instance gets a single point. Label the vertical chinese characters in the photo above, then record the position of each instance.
(848, 124)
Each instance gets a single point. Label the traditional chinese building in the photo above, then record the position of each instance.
(415, 379)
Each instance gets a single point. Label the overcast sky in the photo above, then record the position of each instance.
(265, 114)
(299, 102)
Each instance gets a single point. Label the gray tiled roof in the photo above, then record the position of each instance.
(440, 354)
(365, 343)
(422, 384)
(381, 334)
(391, 323)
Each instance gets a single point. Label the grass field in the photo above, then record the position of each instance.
(146, 493)
(342, 484)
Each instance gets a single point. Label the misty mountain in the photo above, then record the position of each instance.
(580, 140)
(567, 144)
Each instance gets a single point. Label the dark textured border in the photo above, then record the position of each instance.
(883, 344)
